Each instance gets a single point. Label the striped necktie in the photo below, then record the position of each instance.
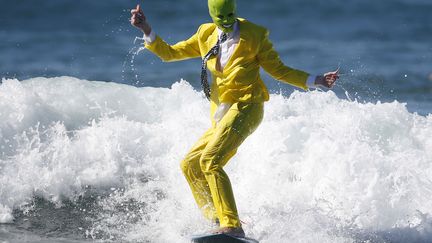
(214, 51)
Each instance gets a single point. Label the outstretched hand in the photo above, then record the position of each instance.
(328, 79)
(139, 20)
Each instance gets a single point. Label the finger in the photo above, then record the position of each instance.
(334, 81)
(135, 20)
(139, 10)
(333, 73)
(333, 76)
(138, 18)
(330, 78)
(136, 10)
(139, 13)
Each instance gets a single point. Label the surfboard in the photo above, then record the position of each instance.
(221, 238)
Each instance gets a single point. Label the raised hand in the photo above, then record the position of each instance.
(328, 79)
(139, 20)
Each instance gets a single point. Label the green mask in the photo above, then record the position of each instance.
(223, 13)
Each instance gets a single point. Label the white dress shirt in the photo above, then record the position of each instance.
(227, 47)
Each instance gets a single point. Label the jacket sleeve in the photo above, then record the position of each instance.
(270, 61)
(182, 50)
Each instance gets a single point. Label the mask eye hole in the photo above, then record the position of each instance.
(230, 15)
(220, 16)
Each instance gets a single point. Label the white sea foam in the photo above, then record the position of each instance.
(318, 169)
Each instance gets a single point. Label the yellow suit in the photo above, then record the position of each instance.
(239, 84)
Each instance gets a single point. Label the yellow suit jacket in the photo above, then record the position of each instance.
(240, 80)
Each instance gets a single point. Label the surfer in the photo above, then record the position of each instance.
(233, 49)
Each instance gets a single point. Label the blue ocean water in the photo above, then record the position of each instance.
(84, 160)
(383, 47)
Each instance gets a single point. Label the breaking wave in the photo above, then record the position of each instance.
(101, 160)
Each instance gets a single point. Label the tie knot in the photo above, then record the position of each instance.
(223, 37)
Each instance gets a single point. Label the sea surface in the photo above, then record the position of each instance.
(93, 126)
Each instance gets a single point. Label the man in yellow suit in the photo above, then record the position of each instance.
(233, 49)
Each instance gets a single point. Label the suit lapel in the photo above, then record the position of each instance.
(212, 40)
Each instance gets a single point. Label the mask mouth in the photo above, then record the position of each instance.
(227, 25)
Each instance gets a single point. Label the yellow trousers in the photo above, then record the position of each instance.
(203, 165)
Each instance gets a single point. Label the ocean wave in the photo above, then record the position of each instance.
(319, 168)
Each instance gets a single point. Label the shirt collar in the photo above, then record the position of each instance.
(232, 34)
